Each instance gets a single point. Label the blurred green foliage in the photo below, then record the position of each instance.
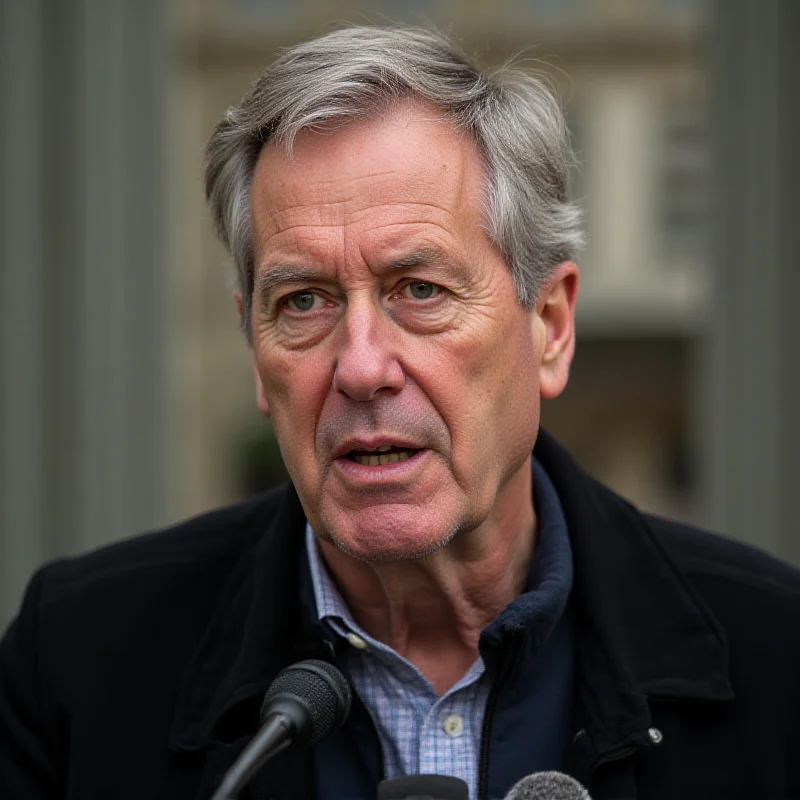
(259, 461)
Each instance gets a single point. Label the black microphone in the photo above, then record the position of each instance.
(306, 702)
(547, 786)
(423, 787)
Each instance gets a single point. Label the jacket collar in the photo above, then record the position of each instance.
(642, 631)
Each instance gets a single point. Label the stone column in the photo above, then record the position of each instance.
(83, 439)
(749, 428)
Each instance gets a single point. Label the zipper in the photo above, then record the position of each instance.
(381, 762)
(509, 656)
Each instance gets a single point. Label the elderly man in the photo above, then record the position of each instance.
(404, 244)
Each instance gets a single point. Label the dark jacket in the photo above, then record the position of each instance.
(137, 671)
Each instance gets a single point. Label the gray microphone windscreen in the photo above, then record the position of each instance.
(547, 786)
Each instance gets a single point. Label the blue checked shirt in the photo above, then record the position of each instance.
(420, 732)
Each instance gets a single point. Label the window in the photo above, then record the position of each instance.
(683, 181)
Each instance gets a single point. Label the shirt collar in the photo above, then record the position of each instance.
(329, 602)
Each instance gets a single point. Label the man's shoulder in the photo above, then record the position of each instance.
(701, 554)
(199, 551)
(115, 633)
(751, 592)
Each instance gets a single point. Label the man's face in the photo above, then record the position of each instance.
(401, 373)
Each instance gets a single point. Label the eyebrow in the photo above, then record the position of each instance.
(268, 280)
(423, 255)
(432, 257)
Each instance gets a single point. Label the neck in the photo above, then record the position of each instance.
(432, 610)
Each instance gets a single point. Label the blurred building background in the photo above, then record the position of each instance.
(127, 397)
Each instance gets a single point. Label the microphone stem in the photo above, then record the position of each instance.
(274, 736)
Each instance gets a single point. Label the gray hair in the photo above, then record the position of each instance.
(357, 72)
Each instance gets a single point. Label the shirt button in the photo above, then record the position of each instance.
(356, 641)
(453, 725)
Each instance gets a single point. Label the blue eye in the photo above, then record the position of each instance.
(302, 301)
(422, 290)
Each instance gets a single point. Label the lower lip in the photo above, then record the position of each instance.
(391, 471)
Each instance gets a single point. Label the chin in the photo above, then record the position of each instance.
(387, 534)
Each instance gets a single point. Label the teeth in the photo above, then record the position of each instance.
(383, 458)
(384, 448)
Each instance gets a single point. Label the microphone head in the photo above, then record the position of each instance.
(316, 697)
(547, 786)
(423, 787)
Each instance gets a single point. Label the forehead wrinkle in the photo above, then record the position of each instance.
(321, 190)
(270, 225)
(298, 215)
(338, 182)
(431, 221)
(361, 203)
(349, 216)
(316, 193)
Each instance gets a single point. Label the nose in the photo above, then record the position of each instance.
(366, 362)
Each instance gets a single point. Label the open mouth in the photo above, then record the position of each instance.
(388, 454)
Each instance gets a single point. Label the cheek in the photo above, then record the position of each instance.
(518, 401)
(487, 390)
(514, 377)
(295, 387)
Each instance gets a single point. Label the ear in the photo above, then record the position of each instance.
(261, 398)
(237, 296)
(554, 321)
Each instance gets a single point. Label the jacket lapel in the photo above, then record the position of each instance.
(256, 632)
(642, 632)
